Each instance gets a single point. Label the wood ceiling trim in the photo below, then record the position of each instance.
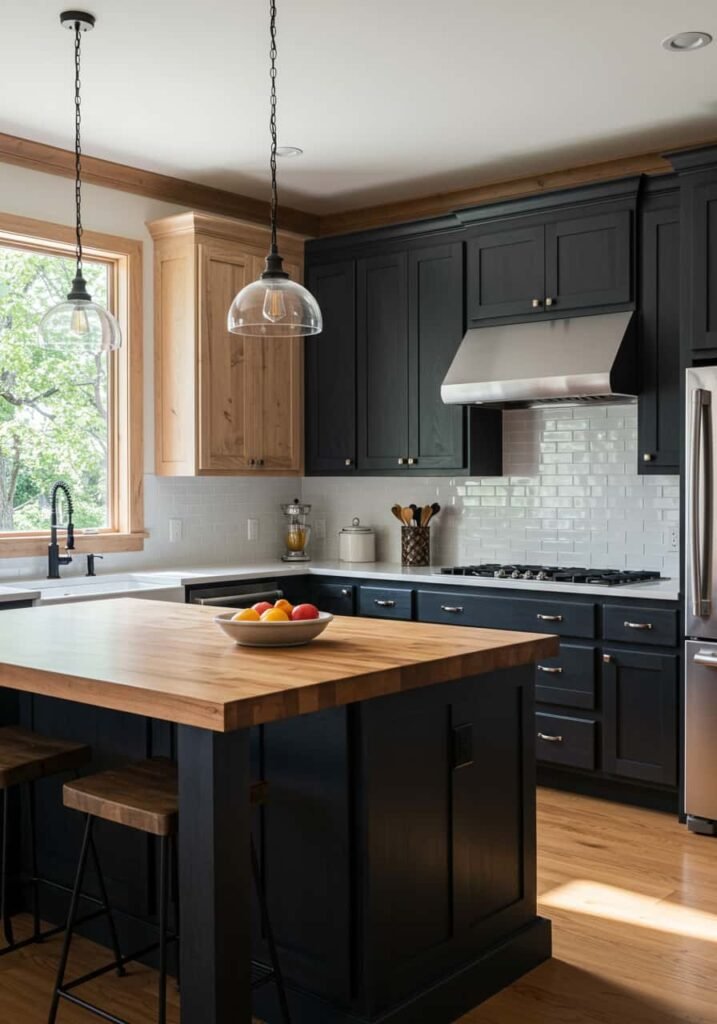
(448, 202)
(52, 160)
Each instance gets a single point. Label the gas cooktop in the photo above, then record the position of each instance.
(554, 574)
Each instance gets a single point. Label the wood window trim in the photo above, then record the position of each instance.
(127, 443)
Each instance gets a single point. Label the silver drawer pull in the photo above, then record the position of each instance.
(549, 618)
(345, 592)
(384, 604)
(455, 609)
(637, 625)
(549, 739)
(706, 658)
(550, 669)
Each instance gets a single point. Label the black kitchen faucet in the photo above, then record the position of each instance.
(54, 558)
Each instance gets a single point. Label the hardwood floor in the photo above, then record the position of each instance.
(633, 900)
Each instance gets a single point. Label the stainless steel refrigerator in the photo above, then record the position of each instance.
(700, 744)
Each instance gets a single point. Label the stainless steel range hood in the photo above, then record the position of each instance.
(579, 359)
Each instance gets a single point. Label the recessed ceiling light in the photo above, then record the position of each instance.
(288, 151)
(685, 42)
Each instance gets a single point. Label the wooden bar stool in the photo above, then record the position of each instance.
(25, 757)
(144, 796)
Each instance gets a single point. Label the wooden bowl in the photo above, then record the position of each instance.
(272, 634)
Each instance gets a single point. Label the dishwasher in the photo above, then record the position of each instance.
(235, 595)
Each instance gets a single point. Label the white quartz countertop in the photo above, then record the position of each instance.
(661, 590)
(167, 582)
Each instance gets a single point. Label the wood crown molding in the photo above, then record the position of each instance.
(38, 156)
(230, 229)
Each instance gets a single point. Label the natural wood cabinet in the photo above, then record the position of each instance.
(224, 404)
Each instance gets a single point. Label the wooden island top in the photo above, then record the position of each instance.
(169, 661)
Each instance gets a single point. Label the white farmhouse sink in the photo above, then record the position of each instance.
(95, 588)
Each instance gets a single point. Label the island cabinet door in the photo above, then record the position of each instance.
(446, 821)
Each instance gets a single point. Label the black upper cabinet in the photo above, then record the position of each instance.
(382, 326)
(581, 262)
(588, 261)
(436, 434)
(331, 371)
(506, 272)
(659, 402)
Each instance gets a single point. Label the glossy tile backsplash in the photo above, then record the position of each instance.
(570, 495)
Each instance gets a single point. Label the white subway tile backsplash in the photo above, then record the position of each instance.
(570, 494)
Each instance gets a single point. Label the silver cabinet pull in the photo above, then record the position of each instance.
(345, 592)
(348, 462)
(637, 625)
(384, 604)
(607, 658)
(455, 609)
(549, 618)
(706, 658)
(549, 739)
(412, 462)
(549, 302)
(537, 303)
(401, 462)
(260, 462)
(252, 462)
(647, 456)
(552, 670)
(700, 532)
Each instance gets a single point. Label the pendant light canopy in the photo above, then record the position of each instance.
(274, 306)
(79, 322)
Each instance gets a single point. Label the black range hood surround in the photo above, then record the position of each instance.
(567, 361)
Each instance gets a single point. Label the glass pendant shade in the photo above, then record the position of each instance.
(274, 307)
(80, 324)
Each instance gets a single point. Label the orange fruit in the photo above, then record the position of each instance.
(274, 615)
(246, 615)
(285, 606)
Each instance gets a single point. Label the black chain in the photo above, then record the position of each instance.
(78, 152)
(272, 122)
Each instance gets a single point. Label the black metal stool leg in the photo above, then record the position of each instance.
(163, 901)
(71, 917)
(121, 972)
(4, 913)
(266, 925)
(175, 897)
(33, 862)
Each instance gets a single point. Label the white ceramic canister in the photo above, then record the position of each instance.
(357, 543)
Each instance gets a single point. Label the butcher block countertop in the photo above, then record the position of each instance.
(171, 662)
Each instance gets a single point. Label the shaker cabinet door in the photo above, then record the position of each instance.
(588, 261)
(506, 272)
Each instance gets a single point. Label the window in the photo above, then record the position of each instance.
(65, 414)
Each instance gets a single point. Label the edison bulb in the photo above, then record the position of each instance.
(78, 321)
(274, 305)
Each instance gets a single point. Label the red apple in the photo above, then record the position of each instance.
(262, 606)
(305, 611)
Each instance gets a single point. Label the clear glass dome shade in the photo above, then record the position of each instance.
(80, 323)
(274, 307)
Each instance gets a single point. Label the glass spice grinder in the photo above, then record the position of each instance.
(296, 531)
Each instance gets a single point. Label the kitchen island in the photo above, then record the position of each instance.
(399, 837)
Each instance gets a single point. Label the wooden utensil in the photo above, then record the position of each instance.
(426, 514)
(407, 516)
(396, 509)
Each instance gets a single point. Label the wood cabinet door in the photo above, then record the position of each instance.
(701, 223)
(640, 715)
(588, 261)
(505, 272)
(435, 330)
(226, 400)
(276, 384)
(331, 372)
(382, 339)
(659, 399)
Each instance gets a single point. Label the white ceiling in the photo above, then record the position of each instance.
(388, 98)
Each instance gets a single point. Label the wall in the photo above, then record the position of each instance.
(213, 512)
(570, 496)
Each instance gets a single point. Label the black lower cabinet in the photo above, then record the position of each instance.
(640, 715)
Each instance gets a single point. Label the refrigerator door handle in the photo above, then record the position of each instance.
(706, 658)
(701, 533)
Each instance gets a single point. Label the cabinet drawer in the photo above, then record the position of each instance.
(568, 741)
(337, 598)
(386, 602)
(641, 625)
(567, 679)
(575, 618)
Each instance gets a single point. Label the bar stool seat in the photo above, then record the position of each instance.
(144, 796)
(26, 756)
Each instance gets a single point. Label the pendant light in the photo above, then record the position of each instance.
(274, 306)
(79, 322)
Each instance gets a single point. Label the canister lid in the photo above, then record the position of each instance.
(356, 527)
